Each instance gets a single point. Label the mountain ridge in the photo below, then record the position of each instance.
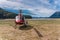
(55, 15)
(6, 14)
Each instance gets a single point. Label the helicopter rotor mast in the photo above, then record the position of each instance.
(20, 13)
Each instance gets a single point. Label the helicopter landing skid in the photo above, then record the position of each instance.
(24, 25)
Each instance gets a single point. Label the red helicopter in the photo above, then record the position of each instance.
(20, 20)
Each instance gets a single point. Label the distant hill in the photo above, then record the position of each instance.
(6, 14)
(55, 15)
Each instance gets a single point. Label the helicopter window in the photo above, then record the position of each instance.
(17, 18)
(22, 18)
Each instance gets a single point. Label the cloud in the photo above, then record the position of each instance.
(43, 12)
(42, 8)
(9, 4)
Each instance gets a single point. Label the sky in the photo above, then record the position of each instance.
(42, 8)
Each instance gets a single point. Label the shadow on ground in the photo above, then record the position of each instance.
(39, 34)
(25, 27)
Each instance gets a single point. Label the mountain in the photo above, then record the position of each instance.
(24, 11)
(55, 15)
(6, 14)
